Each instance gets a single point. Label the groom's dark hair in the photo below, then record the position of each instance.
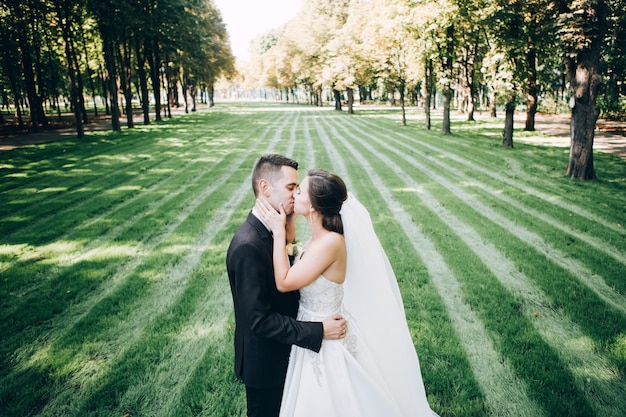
(268, 167)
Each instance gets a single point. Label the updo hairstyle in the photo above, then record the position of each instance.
(327, 193)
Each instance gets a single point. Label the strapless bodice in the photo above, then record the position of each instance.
(320, 299)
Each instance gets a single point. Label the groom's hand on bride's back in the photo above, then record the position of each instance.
(335, 327)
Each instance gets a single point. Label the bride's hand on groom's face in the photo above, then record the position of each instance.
(275, 220)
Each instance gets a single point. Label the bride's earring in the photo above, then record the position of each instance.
(310, 217)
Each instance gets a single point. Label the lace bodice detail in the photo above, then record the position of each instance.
(320, 299)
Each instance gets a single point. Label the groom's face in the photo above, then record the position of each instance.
(284, 189)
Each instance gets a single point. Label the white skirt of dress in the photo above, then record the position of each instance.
(341, 380)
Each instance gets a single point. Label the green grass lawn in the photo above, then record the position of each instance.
(115, 299)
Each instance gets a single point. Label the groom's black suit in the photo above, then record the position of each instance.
(265, 320)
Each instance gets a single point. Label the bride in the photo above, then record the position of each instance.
(373, 371)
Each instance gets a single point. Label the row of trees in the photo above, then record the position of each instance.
(73, 49)
(516, 50)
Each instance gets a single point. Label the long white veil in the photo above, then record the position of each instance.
(372, 298)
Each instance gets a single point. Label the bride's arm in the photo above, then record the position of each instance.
(318, 257)
(317, 260)
(280, 257)
(290, 228)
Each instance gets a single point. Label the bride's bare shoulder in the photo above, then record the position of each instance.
(333, 238)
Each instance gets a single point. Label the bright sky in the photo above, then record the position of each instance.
(247, 18)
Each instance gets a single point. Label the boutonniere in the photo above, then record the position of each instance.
(293, 248)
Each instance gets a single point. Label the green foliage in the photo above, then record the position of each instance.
(578, 22)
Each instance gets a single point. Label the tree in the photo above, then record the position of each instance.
(613, 64)
(582, 27)
(471, 50)
(393, 47)
(26, 14)
(66, 13)
(440, 30)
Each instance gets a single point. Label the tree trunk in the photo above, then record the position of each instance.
(471, 100)
(16, 98)
(155, 75)
(105, 90)
(447, 100)
(37, 114)
(402, 88)
(211, 94)
(64, 22)
(125, 79)
(585, 78)
(337, 96)
(470, 111)
(74, 90)
(507, 134)
(90, 76)
(80, 96)
(143, 82)
(166, 80)
(194, 94)
(582, 127)
(362, 93)
(428, 74)
(185, 89)
(109, 62)
(531, 96)
(448, 74)
(492, 93)
(350, 94)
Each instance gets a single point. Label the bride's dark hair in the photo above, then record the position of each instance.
(327, 193)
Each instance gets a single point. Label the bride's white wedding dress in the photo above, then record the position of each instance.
(374, 371)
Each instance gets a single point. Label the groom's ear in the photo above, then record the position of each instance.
(264, 187)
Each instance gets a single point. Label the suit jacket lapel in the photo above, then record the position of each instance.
(264, 234)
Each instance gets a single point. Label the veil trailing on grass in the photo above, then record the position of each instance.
(372, 298)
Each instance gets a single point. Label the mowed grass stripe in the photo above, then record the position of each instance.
(152, 194)
(29, 167)
(101, 191)
(455, 149)
(60, 189)
(304, 152)
(444, 364)
(136, 272)
(34, 174)
(496, 193)
(146, 388)
(594, 375)
(215, 304)
(505, 394)
(178, 361)
(465, 270)
(542, 167)
(131, 254)
(603, 240)
(573, 266)
(191, 201)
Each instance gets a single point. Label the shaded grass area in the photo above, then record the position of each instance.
(115, 299)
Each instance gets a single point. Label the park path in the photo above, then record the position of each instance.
(610, 136)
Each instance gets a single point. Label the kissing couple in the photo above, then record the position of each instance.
(323, 334)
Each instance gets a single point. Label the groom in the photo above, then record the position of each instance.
(265, 324)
